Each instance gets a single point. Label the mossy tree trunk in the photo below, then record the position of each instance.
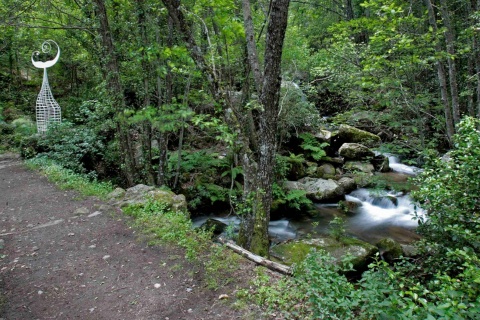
(257, 128)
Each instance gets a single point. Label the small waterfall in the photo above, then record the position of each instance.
(400, 167)
(280, 230)
(382, 207)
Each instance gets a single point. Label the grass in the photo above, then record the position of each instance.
(157, 222)
(165, 226)
(67, 179)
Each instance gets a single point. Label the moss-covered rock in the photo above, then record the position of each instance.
(351, 134)
(320, 189)
(348, 184)
(326, 171)
(381, 163)
(359, 252)
(355, 151)
(140, 193)
(389, 249)
(359, 166)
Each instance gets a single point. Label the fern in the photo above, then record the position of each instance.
(312, 146)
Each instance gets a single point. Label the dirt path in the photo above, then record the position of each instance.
(68, 257)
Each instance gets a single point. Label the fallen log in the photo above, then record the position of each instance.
(272, 265)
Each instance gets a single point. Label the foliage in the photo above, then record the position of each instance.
(450, 194)
(69, 179)
(319, 290)
(73, 147)
(175, 228)
(13, 133)
(337, 228)
(312, 146)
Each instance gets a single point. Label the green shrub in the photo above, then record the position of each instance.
(77, 148)
(450, 194)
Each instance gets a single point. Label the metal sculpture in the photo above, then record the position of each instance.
(47, 109)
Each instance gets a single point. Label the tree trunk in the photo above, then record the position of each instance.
(258, 162)
(115, 91)
(476, 56)
(146, 125)
(259, 166)
(452, 65)
(251, 45)
(442, 77)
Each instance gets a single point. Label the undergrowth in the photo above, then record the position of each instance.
(161, 223)
(67, 179)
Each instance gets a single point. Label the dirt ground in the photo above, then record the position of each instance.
(63, 256)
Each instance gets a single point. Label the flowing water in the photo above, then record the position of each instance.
(376, 214)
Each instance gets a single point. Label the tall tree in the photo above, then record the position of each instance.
(258, 157)
(115, 91)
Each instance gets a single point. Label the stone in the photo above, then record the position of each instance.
(355, 151)
(140, 193)
(116, 194)
(347, 184)
(81, 211)
(326, 171)
(323, 135)
(137, 191)
(381, 163)
(157, 285)
(360, 252)
(96, 213)
(389, 249)
(348, 206)
(333, 160)
(177, 202)
(351, 134)
(320, 189)
(409, 250)
(216, 226)
(358, 166)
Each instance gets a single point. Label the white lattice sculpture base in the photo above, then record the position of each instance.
(47, 109)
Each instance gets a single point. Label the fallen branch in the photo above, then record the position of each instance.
(275, 266)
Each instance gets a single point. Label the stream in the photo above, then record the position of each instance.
(376, 214)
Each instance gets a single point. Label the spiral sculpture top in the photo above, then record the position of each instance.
(46, 47)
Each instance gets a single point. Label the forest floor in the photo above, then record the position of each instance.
(65, 256)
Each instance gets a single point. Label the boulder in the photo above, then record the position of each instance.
(177, 202)
(336, 161)
(347, 133)
(140, 193)
(348, 206)
(381, 163)
(116, 194)
(359, 252)
(323, 135)
(389, 249)
(326, 171)
(320, 189)
(355, 151)
(358, 166)
(216, 226)
(347, 184)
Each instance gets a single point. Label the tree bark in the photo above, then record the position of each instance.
(146, 125)
(178, 18)
(452, 65)
(272, 265)
(251, 45)
(258, 162)
(442, 78)
(115, 91)
(259, 166)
